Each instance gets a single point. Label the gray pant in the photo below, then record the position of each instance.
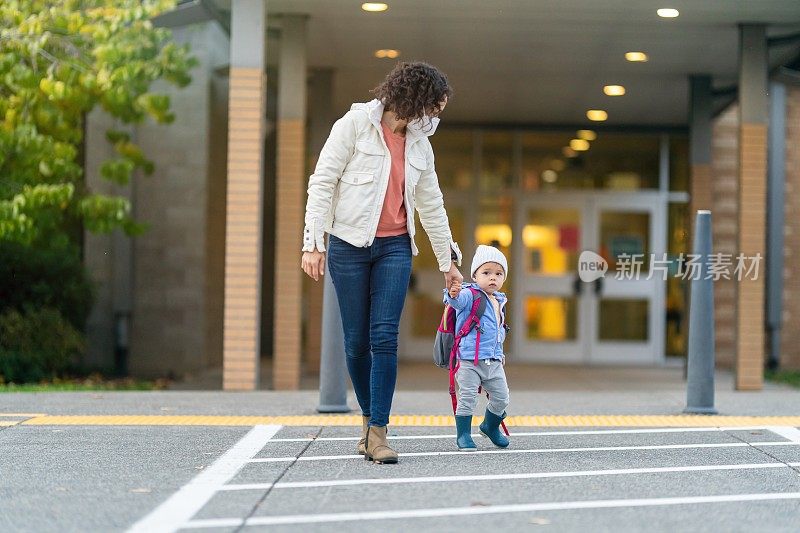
(493, 379)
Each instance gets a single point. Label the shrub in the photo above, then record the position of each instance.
(37, 344)
(45, 276)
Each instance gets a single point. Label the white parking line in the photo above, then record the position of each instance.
(184, 504)
(500, 477)
(537, 450)
(484, 510)
(787, 432)
(559, 433)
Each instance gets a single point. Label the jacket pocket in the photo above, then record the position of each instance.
(367, 157)
(356, 198)
(417, 165)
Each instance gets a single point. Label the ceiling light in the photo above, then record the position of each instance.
(387, 54)
(568, 152)
(598, 115)
(635, 57)
(374, 7)
(579, 145)
(668, 13)
(614, 90)
(586, 135)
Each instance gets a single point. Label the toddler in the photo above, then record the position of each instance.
(481, 367)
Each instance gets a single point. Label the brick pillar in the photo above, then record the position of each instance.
(725, 207)
(790, 333)
(247, 109)
(290, 191)
(753, 115)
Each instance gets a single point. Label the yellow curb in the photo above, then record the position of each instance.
(415, 420)
(6, 423)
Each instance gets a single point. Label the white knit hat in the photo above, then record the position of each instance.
(488, 254)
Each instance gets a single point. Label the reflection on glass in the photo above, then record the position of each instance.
(551, 318)
(426, 313)
(677, 288)
(497, 169)
(426, 259)
(612, 161)
(623, 320)
(625, 233)
(454, 151)
(679, 164)
(552, 241)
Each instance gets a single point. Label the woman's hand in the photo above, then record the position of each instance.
(313, 264)
(452, 278)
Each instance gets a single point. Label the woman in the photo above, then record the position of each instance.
(374, 170)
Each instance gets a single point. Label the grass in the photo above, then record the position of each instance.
(91, 383)
(789, 377)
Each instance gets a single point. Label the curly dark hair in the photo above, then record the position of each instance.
(412, 90)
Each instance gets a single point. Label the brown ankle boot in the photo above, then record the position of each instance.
(362, 442)
(378, 449)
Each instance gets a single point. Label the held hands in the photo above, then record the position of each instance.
(452, 280)
(313, 264)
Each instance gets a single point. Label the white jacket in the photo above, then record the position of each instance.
(347, 189)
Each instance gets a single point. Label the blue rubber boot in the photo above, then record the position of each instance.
(491, 428)
(464, 433)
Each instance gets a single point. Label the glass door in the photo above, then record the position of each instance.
(549, 309)
(626, 307)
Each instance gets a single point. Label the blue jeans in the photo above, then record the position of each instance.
(371, 285)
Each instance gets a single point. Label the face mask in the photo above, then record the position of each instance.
(425, 125)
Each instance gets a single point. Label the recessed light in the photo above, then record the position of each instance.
(614, 90)
(579, 145)
(374, 7)
(568, 152)
(668, 13)
(598, 115)
(387, 54)
(635, 57)
(587, 135)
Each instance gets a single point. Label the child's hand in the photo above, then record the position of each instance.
(455, 288)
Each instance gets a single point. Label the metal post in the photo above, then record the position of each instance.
(332, 366)
(700, 385)
(776, 185)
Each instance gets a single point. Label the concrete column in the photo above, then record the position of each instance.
(290, 193)
(700, 113)
(243, 235)
(753, 118)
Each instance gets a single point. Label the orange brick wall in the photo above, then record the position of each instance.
(241, 351)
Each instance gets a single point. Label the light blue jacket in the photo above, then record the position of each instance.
(493, 335)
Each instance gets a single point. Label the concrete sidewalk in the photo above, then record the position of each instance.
(534, 391)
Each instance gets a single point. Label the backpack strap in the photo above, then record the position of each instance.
(473, 320)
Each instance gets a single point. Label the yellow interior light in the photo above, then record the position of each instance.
(597, 115)
(488, 233)
(387, 53)
(579, 145)
(614, 90)
(586, 135)
(636, 57)
(374, 7)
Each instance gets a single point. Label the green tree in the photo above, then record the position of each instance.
(58, 61)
